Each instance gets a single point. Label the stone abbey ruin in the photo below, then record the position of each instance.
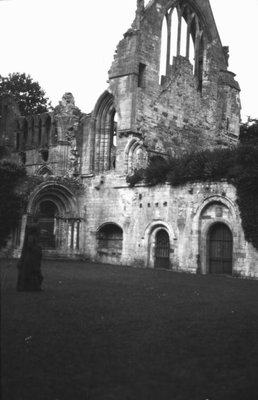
(169, 91)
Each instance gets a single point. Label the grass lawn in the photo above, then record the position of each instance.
(102, 332)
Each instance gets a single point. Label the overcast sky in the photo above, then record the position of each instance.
(68, 45)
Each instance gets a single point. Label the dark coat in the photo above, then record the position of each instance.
(29, 267)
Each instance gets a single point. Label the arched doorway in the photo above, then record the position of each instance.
(162, 249)
(110, 238)
(46, 220)
(109, 243)
(220, 244)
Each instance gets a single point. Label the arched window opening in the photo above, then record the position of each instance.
(44, 154)
(114, 129)
(40, 133)
(139, 158)
(47, 131)
(163, 53)
(105, 134)
(183, 45)
(47, 222)
(220, 244)
(32, 133)
(180, 36)
(25, 133)
(136, 156)
(113, 134)
(191, 56)
(141, 75)
(110, 239)
(199, 61)
(174, 35)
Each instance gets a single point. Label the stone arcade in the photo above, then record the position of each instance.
(169, 90)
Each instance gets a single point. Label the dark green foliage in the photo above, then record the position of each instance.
(11, 202)
(249, 132)
(157, 171)
(238, 166)
(28, 94)
(136, 177)
(247, 191)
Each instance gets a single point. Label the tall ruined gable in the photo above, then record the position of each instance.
(193, 103)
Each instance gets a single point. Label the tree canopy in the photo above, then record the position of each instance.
(28, 94)
(249, 132)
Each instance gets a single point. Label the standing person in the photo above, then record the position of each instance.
(29, 266)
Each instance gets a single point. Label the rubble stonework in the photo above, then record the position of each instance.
(145, 113)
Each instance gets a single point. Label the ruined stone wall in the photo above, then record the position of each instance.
(9, 112)
(173, 114)
(47, 144)
(187, 213)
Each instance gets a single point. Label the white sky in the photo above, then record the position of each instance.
(68, 45)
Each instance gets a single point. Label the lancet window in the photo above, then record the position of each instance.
(182, 35)
(104, 134)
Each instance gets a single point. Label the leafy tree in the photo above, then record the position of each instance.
(28, 94)
(11, 201)
(249, 132)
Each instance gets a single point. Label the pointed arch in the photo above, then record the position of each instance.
(183, 35)
(103, 131)
(45, 171)
(136, 156)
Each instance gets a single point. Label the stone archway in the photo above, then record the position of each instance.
(54, 207)
(215, 209)
(162, 249)
(109, 243)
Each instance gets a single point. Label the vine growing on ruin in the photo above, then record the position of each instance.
(238, 166)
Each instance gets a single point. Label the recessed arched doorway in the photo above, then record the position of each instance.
(162, 249)
(109, 243)
(220, 242)
(46, 219)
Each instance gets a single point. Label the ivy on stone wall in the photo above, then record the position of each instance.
(238, 166)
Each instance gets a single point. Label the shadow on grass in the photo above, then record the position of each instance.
(102, 332)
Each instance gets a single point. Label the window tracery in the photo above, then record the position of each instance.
(136, 156)
(182, 35)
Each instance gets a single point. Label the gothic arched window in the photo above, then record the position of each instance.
(182, 35)
(104, 134)
(136, 156)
